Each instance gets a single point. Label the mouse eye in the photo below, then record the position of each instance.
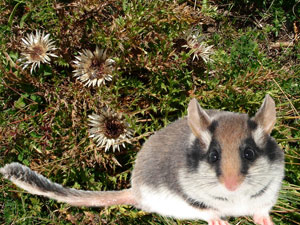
(249, 154)
(213, 156)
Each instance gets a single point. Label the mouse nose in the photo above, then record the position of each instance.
(232, 182)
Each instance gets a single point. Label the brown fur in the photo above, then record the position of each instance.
(231, 161)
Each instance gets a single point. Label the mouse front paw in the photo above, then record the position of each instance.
(218, 222)
(263, 220)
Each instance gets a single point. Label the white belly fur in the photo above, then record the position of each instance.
(166, 203)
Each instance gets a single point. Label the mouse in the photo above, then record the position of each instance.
(207, 165)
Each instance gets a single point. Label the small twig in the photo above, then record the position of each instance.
(285, 211)
(294, 6)
(289, 117)
(293, 107)
(13, 89)
(11, 62)
(144, 120)
(293, 187)
(293, 221)
(294, 152)
(291, 156)
(288, 139)
(280, 44)
(28, 118)
(292, 163)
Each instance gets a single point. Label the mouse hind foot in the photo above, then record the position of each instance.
(263, 220)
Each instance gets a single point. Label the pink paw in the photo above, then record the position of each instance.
(263, 220)
(218, 222)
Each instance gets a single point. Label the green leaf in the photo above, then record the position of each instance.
(35, 135)
(20, 157)
(19, 104)
(33, 97)
(24, 17)
(13, 12)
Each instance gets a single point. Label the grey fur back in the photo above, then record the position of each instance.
(160, 156)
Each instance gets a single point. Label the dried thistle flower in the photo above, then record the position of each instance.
(197, 47)
(37, 49)
(109, 129)
(94, 68)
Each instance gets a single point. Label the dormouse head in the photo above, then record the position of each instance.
(233, 150)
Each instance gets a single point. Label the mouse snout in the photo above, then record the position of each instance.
(231, 179)
(232, 182)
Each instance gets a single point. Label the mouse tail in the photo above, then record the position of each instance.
(37, 184)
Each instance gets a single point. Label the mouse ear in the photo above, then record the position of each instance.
(199, 121)
(266, 115)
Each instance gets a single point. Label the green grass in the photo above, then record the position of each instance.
(43, 115)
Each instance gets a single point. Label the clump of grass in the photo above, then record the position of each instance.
(44, 113)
